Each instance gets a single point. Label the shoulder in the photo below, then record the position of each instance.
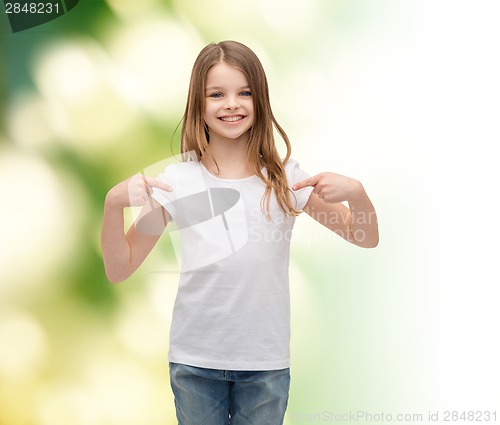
(186, 178)
(182, 169)
(294, 172)
(185, 175)
(291, 166)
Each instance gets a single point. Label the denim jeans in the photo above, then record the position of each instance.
(222, 397)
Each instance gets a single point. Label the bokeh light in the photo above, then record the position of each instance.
(29, 107)
(155, 53)
(24, 345)
(40, 207)
(85, 107)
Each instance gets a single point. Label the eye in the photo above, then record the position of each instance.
(216, 95)
(245, 93)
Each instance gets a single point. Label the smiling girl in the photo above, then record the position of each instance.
(229, 342)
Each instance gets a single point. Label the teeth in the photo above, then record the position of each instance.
(231, 119)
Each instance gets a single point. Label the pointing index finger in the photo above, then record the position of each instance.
(157, 183)
(311, 181)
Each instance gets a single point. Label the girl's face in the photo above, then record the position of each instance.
(229, 111)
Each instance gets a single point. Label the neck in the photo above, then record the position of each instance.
(230, 154)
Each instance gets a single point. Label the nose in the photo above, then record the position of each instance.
(231, 103)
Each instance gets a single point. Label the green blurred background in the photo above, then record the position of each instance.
(401, 95)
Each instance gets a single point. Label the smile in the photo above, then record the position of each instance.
(232, 118)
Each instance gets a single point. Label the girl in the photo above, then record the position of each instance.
(234, 204)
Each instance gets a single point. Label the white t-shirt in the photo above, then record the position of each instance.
(232, 309)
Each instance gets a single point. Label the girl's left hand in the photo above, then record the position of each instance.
(332, 188)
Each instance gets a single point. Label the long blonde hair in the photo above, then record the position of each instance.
(261, 148)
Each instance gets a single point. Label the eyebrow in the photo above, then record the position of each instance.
(220, 88)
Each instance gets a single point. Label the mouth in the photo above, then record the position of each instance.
(231, 118)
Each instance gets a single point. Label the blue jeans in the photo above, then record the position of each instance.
(222, 397)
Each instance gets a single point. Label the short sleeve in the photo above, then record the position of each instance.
(162, 196)
(295, 175)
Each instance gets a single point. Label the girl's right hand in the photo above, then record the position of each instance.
(135, 191)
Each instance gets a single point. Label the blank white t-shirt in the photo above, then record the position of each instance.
(232, 309)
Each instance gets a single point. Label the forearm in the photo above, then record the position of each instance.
(363, 220)
(115, 246)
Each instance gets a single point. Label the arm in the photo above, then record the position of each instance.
(356, 224)
(124, 253)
